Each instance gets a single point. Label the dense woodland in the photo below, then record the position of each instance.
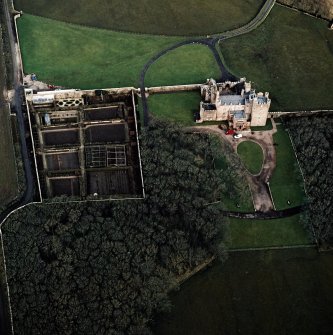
(313, 139)
(321, 8)
(105, 268)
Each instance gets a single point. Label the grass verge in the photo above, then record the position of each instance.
(176, 107)
(171, 17)
(267, 233)
(252, 156)
(286, 56)
(286, 183)
(74, 56)
(189, 64)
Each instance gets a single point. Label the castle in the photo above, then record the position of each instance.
(235, 102)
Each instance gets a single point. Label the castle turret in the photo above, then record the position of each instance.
(260, 107)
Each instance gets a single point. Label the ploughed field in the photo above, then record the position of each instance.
(172, 17)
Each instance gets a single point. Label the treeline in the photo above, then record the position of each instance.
(321, 8)
(313, 139)
(105, 268)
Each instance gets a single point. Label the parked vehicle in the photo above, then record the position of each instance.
(238, 135)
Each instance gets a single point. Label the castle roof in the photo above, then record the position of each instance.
(239, 115)
(262, 100)
(232, 100)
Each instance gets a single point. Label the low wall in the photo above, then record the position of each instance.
(299, 113)
(173, 89)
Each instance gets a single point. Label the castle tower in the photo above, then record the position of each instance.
(260, 107)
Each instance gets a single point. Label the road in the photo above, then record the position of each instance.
(211, 43)
(27, 196)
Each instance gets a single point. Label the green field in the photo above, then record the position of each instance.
(177, 107)
(252, 156)
(286, 182)
(73, 56)
(189, 64)
(289, 55)
(171, 17)
(8, 178)
(267, 233)
(268, 292)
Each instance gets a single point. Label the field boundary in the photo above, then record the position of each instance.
(283, 247)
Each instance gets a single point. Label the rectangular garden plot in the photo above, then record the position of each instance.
(61, 137)
(109, 182)
(111, 133)
(63, 161)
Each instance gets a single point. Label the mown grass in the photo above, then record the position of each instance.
(171, 17)
(286, 183)
(177, 107)
(290, 55)
(267, 233)
(86, 58)
(252, 156)
(189, 64)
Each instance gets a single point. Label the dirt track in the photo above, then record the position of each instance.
(258, 183)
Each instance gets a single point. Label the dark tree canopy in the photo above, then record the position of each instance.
(313, 139)
(105, 268)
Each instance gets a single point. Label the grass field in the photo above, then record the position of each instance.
(79, 57)
(267, 233)
(177, 107)
(252, 156)
(171, 17)
(8, 178)
(289, 55)
(268, 292)
(189, 64)
(286, 182)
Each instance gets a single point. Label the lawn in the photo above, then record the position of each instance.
(286, 182)
(290, 55)
(8, 178)
(261, 292)
(178, 107)
(267, 233)
(74, 56)
(252, 156)
(171, 17)
(189, 64)
(236, 196)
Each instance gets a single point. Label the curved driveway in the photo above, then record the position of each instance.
(210, 42)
